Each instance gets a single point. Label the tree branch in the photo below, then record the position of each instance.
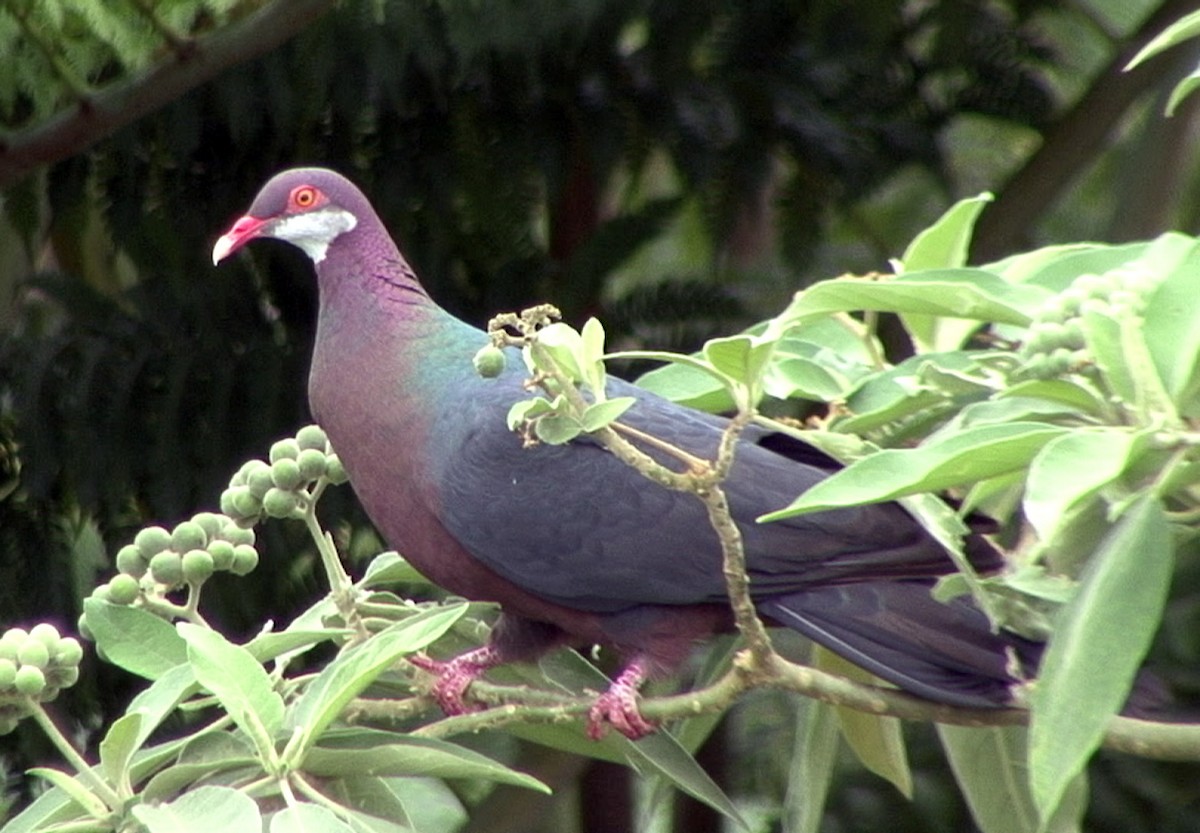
(98, 115)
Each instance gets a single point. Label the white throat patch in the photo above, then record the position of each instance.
(314, 231)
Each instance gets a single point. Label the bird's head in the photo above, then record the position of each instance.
(307, 207)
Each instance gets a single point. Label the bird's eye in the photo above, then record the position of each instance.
(305, 196)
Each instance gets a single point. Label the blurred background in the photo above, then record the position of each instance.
(677, 168)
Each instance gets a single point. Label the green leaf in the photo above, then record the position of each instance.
(591, 356)
(390, 568)
(989, 764)
(814, 756)
(134, 639)
(951, 293)
(946, 243)
(356, 668)
(565, 346)
(161, 698)
(601, 414)
(877, 741)
(79, 792)
(307, 818)
(351, 753)
(121, 740)
(956, 460)
(205, 756)
(1094, 654)
(740, 358)
(202, 811)
(51, 807)
(420, 804)
(685, 383)
(1171, 327)
(239, 682)
(1073, 468)
(557, 429)
(1185, 28)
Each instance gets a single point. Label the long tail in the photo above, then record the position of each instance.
(944, 652)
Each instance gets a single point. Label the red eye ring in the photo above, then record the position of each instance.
(304, 197)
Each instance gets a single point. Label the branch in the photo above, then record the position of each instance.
(99, 115)
(521, 704)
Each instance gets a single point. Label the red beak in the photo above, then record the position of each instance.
(241, 233)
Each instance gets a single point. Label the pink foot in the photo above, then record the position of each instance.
(452, 677)
(618, 707)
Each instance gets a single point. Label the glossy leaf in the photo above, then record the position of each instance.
(959, 459)
(202, 810)
(356, 668)
(239, 682)
(134, 639)
(1100, 639)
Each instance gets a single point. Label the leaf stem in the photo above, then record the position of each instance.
(99, 786)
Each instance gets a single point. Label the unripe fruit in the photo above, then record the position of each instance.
(311, 463)
(245, 559)
(130, 561)
(285, 474)
(489, 361)
(123, 589)
(222, 554)
(29, 680)
(8, 723)
(68, 653)
(245, 505)
(335, 472)
(311, 437)
(235, 534)
(188, 536)
(83, 629)
(167, 568)
(32, 652)
(152, 540)
(280, 503)
(46, 634)
(11, 642)
(198, 565)
(210, 522)
(260, 480)
(67, 676)
(285, 449)
(8, 673)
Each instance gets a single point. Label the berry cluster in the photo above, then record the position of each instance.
(280, 487)
(160, 560)
(1056, 344)
(34, 666)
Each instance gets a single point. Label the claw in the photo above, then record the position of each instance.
(452, 677)
(618, 707)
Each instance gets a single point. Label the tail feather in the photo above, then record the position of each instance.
(944, 652)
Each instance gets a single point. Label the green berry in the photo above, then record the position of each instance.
(188, 536)
(226, 502)
(280, 503)
(335, 472)
(11, 642)
(235, 534)
(33, 652)
(167, 568)
(245, 504)
(198, 565)
(311, 463)
(311, 438)
(152, 540)
(130, 561)
(83, 629)
(285, 473)
(259, 480)
(285, 449)
(123, 588)
(8, 723)
(8, 673)
(66, 676)
(245, 559)
(68, 653)
(210, 522)
(47, 634)
(489, 361)
(30, 680)
(222, 554)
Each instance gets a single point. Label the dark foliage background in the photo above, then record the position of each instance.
(675, 167)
